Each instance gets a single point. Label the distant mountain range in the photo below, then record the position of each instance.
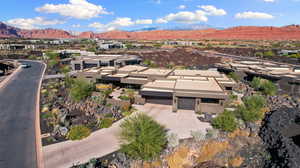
(291, 32)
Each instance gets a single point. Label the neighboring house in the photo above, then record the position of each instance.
(17, 47)
(288, 52)
(107, 45)
(84, 62)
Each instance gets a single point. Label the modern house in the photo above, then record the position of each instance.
(90, 61)
(199, 90)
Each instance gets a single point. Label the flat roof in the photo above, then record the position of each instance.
(187, 77)
(203, 73)
(154, 71)
(185, 85)
(196, 85)
(132, 68)
(161, 84)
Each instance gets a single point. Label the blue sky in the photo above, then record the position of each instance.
(106, 15)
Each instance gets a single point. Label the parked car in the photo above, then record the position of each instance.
(25, 65)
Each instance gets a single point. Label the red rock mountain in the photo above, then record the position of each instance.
(45, 33)
(156, 34)
(291, 32)
(8, 31)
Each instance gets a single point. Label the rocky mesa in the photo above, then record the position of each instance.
(291, 32)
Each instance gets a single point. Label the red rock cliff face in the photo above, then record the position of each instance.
(45, 33)
(257, 33)
(86, 35)
(156, 35)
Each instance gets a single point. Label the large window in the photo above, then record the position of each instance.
(210, 100)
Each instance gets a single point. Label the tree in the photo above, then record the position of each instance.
(142, 137)
(80, 89)
(225, 121)
(78, 132)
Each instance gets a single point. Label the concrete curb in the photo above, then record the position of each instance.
(4, 83)
(39, 152)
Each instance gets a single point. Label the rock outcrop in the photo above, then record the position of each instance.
(284, 152)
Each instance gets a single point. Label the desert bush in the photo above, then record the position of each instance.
(80, 89)
(269, 54)
(259, 54)
(198, 135)
(212, 133)
(142, 137)
(65, 69)
(225, 121)
(78, 132)
(255, 102)
(106, 122)
(173, 140)
(234, 76)
(265, 86)
(252, 109)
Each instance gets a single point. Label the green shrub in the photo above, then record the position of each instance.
(234, 76)
(265, 86)
(52, 55)
(106, 122)
(259, 54)
(65, 69)
(249, 114)
(52, 63)
(225, 121)
(78, 132)
(252, 109)
(142, 137)
(269, 54)
(255, 102)
(124, 97)
(80, 89)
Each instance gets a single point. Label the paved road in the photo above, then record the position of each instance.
(17, 119)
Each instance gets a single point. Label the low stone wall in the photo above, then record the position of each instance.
(284, 152)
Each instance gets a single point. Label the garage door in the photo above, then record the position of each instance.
(186, 103)
(159, 100)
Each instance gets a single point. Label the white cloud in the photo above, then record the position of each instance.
(211, 10)
(161, 21)
(181, 7)
(185, 17)
(115, 24)
(253, 15)
(119, 23)
(144, 21)
(79, 9)
(32, 23)
(189, 17)
(269, 0)
(76, 25)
